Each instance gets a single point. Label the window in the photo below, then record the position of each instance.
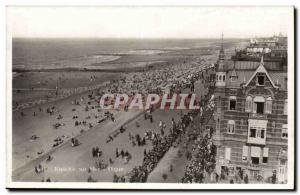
(252, 132)
(255, 160)
(262, 134)
(223, 77)
(259, 104)
(231, 127)
(285, 107)
(245, 153)
(259, 107)
(260, 80)
(248, 107)
(257, 131)
(255, 154)
(227, 154)
(269, 105)
(232, 103)
(284, 133)
(220, 78)
(265, 155)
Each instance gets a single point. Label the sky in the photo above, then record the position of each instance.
(148, 22)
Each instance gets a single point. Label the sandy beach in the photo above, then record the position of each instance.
(80, 156)
(71, 98)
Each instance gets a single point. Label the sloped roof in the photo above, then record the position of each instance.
(280, 77)
(261, 68)
(250, 65)
(244, 75)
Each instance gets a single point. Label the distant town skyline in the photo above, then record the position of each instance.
(147, 22)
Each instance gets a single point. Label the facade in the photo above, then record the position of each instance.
(251, 121)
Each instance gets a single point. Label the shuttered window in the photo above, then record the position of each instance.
(284, 133)
(269, 105)
(231, 127)
(265, 155)
(255, 154)
(227, 153)
(285, 107)
(248, 106)
(245, 153)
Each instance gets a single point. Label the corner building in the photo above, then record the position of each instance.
(251, 120)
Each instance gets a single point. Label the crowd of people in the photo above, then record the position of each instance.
(161, 145)
(201, 166)
(202, 163)
(160, 141)
(153, 81)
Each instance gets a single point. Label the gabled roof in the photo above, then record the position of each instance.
(261, 69)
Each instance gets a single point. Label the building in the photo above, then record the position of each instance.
(274, 50)
(251, 119)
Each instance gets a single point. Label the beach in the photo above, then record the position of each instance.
(52, 107)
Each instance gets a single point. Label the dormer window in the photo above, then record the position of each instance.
(260, 79)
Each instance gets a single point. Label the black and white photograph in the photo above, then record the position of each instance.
(150, 97)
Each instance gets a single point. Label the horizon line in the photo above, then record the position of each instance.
(132, 37)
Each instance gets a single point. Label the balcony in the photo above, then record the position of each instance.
(258, 116)
(256, 140)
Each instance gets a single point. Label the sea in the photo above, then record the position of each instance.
(41, 53)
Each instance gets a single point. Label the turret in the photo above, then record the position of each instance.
(220, 72)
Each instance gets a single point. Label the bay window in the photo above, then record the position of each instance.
(257, 131)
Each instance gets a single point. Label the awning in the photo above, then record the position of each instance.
(266, 152)
(255, 151)
(259, 99)
(232, 97)
(231, 122)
